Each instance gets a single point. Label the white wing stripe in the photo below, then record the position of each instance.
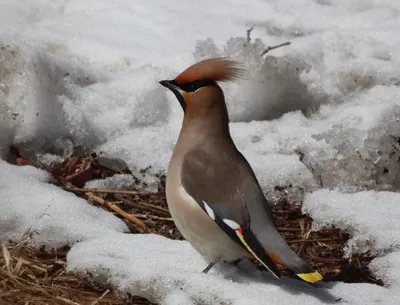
(209, 211)
(232, 224)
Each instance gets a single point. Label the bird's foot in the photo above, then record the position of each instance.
(208, 268)
(210, 265)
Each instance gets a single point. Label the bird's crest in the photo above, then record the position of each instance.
(213, 69)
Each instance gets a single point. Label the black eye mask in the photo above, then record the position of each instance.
(193, 86)
(186, 87)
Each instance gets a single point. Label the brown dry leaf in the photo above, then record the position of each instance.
(22, 162)
(75, 170)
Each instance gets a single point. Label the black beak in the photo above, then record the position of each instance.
(168, 84)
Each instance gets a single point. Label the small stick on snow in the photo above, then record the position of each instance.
(275, 47)
(248, 32)
(131, 218)
(83, 190)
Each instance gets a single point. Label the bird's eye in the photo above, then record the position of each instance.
(193, 86)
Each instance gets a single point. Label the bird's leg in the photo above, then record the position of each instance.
(210, 265)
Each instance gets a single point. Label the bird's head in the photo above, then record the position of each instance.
(197, 87)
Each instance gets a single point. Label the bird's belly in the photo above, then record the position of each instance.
(200, 230)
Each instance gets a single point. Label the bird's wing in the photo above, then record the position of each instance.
(225, 187)
(220, 190)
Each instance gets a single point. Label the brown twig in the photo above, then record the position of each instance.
(101, 297)
(275, 47)
(69, 302)
(131, 218)
(330, 261)
(248, 32)
(86, 190)
(146, 216)
(284, 229)
(314, 240)
(143, 205)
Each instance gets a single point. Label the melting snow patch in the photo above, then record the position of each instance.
(55, 217)
(372, 218)
(116, 182)
(170, 272)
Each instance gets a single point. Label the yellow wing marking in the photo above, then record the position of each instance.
(240, 235)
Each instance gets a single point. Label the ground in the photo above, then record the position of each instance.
(37, 276)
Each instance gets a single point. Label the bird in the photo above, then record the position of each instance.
(212, 192)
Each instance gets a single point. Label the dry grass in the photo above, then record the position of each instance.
(31, 276)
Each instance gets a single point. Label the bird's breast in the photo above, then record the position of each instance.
(196, 226)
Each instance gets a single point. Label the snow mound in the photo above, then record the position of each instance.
(370, 217)
(349, 140)
(385, 268)
(39, 97)
(116, 182)
(272, 86)
(171, 274)
(53, 216)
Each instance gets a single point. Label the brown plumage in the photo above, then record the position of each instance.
(213, 69)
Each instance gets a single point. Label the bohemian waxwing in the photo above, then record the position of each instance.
(212, 193)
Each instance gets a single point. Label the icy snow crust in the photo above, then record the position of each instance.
(321, 115)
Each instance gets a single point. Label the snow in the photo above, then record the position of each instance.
(112, 183)
(173, 272)
(321, 115)
(53, 216)
(371, 217)
(178, 274)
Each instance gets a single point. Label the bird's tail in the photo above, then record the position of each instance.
(281, 253)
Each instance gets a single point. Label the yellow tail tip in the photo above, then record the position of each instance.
(310, 277)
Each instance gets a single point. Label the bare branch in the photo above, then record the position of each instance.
(86, 190)
(275, 47)
(131, 218)
(248, 32)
